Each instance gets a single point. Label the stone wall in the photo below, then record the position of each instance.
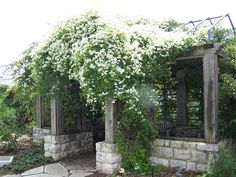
(108, 160)
(188, 155)
(39, 133)
(64, 146)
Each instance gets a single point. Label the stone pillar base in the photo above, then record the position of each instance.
(108, 160)
(39, 133)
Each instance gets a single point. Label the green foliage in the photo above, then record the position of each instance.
(106, 57)
(134, 133)
(7, 121)
(15, 115)
(227, 89)
(170, 25)
(223, 165)
(28, 159)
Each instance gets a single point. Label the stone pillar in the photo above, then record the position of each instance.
(210, 73)
(181, 98)
(110, 119)
(40, 112)
(108, 160)
(56, 117)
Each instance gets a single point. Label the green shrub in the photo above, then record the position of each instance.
(224, 165)
(28, 159)
(7, 123)
(16, 116)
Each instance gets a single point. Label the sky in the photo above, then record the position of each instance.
(25, 21)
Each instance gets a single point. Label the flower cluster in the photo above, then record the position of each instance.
(108, 56)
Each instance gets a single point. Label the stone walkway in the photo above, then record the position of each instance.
(82, 166)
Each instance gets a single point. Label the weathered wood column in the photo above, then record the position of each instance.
(210, 73)
(40, 110)
(181, 98)
(56, 117)
(110, 119)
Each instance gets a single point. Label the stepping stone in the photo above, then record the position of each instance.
(33, 171)
(79, 173)
(44, 175)
(56, 169)
(5, 160)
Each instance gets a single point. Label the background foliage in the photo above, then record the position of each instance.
(16, 115)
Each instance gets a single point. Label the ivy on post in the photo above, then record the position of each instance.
(56, 117)
(110, 119)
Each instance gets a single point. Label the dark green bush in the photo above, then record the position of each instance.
(224, 165)
(16, 115)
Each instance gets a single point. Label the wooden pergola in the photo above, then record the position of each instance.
(209, 54)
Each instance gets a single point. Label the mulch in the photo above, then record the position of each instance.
(169, 172)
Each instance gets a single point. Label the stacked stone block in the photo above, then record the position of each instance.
(64, 146)
(193, 156)
(108, 160)
(39, 133)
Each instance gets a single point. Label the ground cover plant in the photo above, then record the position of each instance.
(28, 159)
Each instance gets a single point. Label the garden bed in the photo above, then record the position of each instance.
(168, 172)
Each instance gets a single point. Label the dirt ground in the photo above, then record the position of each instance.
(169, 172)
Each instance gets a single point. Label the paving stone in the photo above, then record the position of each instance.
(44, 175)
(5, 160)
(12, 176)
(82, 162)
(79, 173)
(56, 169)
(33, 171)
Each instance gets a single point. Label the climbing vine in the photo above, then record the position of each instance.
(119, 58)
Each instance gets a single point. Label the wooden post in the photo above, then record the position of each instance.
(210, 74)
(56, 117)
(40, 112)
(110, 119)
(181, 98)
